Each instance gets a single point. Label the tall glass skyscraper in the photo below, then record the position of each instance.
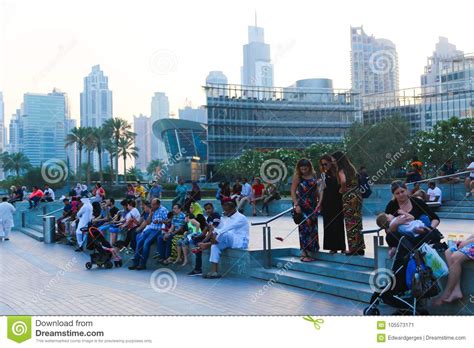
(257, 69)
(96, 104)
(43, 120)
(374, 64)
(142, 129)
(160, 109)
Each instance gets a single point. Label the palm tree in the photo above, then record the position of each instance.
(150, 169)
(109, 146)
(16, 162)
(118, 128)
(99, 137)
(135, 172)
(77, 136)
(127, 149)
(90, 145)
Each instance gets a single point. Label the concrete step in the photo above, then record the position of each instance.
(339, 258)
(462, 216)
(38, 228)
(32, 233)
(337, 287)
(354, 273)
(468, 202)
(455, 209)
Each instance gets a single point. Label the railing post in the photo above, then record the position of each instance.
(49, 229)
(44, 210)
(376, 251)
(269, 245)
(23, 218)
(264, 229)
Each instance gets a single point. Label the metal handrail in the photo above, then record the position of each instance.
(52, 212)
(272, 218)
(439, 177)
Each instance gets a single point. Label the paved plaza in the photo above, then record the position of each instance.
(43, 279)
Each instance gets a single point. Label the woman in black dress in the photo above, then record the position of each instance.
(331, 207)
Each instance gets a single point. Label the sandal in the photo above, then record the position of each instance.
(307, 259)
(212, 275)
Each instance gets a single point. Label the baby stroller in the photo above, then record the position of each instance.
(410, 283)
(103, 255)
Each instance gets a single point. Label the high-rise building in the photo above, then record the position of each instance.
(193, 114)
(15, 132)
(160, 109)
(447, 90)
(216, 78)
(96, 104)
(43, 120)
(2, 129)
(257, 69)
(143, 131)
(374, 64)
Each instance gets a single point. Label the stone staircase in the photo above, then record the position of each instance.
(33, 231)
(337, 275)
(457, 209)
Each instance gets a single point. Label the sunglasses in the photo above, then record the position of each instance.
(324, 164)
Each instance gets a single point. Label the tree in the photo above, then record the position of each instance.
(135, 173)
(118, 128)
(450, 139)
(109, 146)
(381, 147)
(77, 136)
(16, 162)
(127, 149)
(99, 137)
(150, 169)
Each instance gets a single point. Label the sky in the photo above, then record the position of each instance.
(145, 46)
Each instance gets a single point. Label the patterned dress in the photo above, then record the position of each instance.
(307, 195)
(352, 208)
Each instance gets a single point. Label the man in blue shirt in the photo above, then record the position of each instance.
(155, 191)
(165, 239)
(146, 238)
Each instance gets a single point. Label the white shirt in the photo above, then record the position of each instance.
(132, 213)
(84, 214)
(50, 192)
(433, 193)
(471, 166)
(246, 190)
(238, 226)
(6, 212)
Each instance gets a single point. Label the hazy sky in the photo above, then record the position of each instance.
(146, 46)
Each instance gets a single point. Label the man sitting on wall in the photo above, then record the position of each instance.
(233, 232)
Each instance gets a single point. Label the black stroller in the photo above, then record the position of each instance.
(103, 254)
(409, 282)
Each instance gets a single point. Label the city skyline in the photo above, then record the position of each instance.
(177, 63)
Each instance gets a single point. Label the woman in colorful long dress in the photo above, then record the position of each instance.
(351, 203)
(305, 196)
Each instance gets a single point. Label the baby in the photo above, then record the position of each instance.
(413, 228)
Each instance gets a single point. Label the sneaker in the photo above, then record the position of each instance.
(79, 250)
(140, 268)
(156, 256)
(468, 194)
(132, 267)
(5, 239)
(194, 273)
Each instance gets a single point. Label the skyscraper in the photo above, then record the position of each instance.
(143, 131)
(96, 104)
(43, 122)
(374, 64)
(216, 78)
(257, 69)
(15, 131)
(2, 129)
(160, 109)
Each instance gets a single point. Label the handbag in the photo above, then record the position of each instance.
(297, 218)
(434, 261)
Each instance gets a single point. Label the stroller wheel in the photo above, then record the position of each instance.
(88, 265)
(371, 311)
(109, 265)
